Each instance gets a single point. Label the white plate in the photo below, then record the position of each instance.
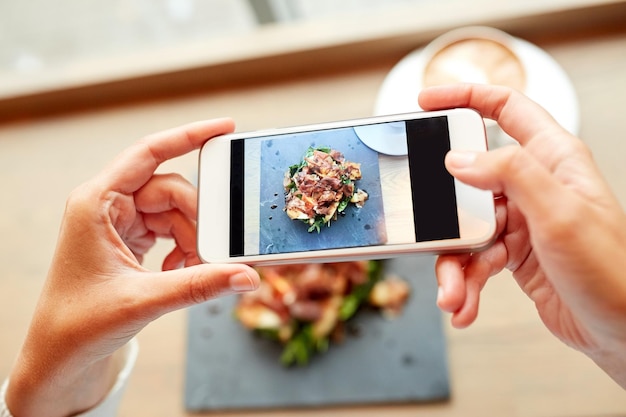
(547, 84)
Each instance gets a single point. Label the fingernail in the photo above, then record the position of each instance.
(461, 159)
(439, 295)
(242, 282)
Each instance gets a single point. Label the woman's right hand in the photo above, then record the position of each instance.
(561, 231)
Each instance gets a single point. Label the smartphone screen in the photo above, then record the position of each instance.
(342, 188)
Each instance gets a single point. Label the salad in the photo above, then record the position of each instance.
(305, 307)
(320, 186)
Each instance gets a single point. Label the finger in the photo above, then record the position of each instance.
(140, 244)
(166, 192)
(174, 224)
(517, 238)
(467, 314)
(133, 167)
(513, 172)
(166, 291)
(502, 104)
(477, 271)
(452, 270)
(501, 205)
(177, 258)
(458, 293)
(174, 260)
(452, 293)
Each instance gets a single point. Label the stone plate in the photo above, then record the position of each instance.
(381, 361)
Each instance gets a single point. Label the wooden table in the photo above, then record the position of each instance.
(506, 364)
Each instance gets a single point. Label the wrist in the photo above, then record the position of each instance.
(613, 362)
(61, 392)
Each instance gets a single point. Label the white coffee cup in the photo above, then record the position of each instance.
(475, 54)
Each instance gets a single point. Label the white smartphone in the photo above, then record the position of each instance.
(371, 188)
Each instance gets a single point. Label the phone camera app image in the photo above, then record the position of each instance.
(318, 190)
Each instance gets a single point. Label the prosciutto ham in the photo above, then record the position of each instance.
(321, 186)
(306, 306)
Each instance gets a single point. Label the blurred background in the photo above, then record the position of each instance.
(43, 42)
(38, 36)
(80, 80)
(180, 46)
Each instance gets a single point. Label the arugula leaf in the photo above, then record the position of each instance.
(343, 204)
(359, 295)
(300, 348)
(303, 345)
(325, 149)
(271, 334)
(317, 224)
(294, 168)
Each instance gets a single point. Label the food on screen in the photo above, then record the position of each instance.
(321, 186)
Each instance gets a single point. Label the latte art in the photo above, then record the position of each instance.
(475, 60)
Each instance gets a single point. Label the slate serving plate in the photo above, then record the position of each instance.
(381, 361)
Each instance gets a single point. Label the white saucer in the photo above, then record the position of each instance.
(547, 84)
(387, 138)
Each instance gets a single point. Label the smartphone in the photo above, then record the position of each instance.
(370, 188)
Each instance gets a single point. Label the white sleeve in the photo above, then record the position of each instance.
(4, 411)
(109, 406)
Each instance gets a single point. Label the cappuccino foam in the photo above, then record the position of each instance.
(481, 61)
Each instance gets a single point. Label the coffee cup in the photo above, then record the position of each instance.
(475, 54)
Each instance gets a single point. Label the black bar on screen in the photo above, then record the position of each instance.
(236, 197)
(432, 186)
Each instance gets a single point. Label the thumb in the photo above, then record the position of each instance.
(172, 290)
(514, 172)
